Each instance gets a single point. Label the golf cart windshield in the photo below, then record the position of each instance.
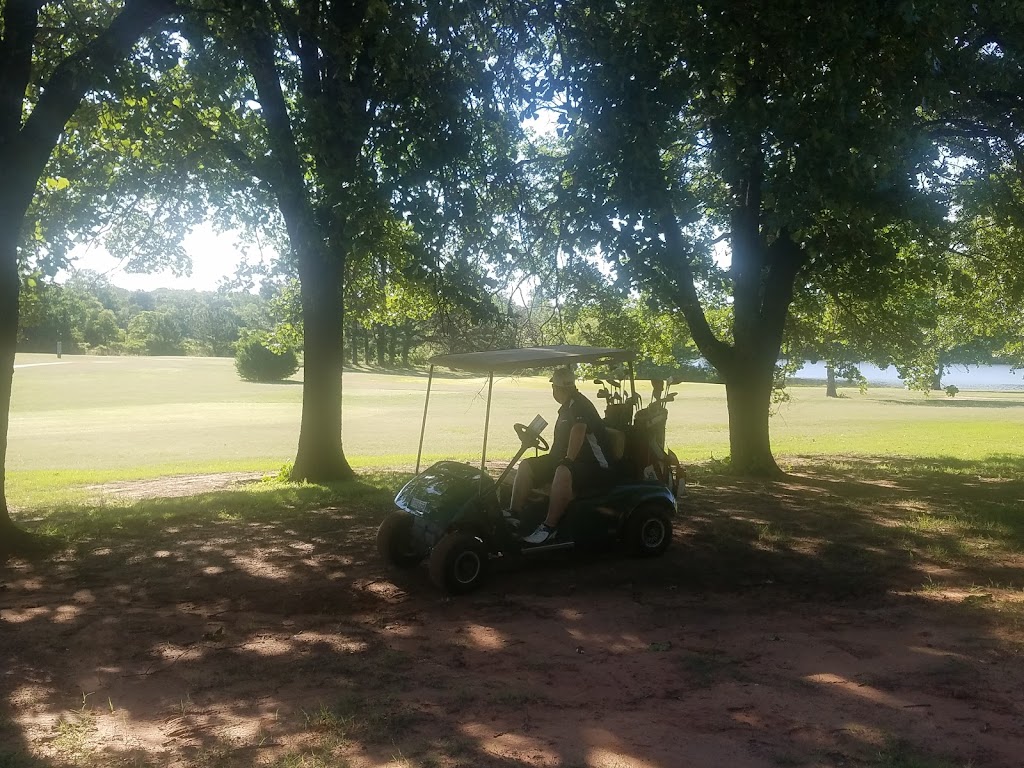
(508, 361)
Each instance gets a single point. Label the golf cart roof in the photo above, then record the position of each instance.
(512, 360)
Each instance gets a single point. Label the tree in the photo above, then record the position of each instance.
(368, 113)
(817, 330)
(153, 333)
(41, 87)
(590, 310)
(977, 304)
(100, 328)
(877, 313)
(692, 128)
(955, 303)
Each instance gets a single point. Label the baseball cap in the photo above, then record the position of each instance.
(563, 377)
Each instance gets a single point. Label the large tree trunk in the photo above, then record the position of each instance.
(9, 534)
(748, 393)
(320, 457)
(830, 384)
(13, 540)
(15, 196)
(763, 275)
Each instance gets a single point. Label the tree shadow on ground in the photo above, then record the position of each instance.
(966, 498)
(217, 632)
(885, 511)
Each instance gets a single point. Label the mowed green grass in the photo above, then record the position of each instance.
(89, 419)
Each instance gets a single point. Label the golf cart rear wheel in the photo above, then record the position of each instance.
(395, 542)
(649, 531)
(458, 563)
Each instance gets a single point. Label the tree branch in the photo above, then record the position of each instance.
(718, 353)
(786, 259)
(20, 19)
(966, 128)
(78, 74)
(307, 18)
(288, 19)
(286, 163)
(231, 149)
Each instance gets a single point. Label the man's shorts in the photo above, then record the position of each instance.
(587, 476)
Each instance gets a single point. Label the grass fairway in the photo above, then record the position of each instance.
(124, 417)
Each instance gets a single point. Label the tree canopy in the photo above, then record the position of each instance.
(743, 155)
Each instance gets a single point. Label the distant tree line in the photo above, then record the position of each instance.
(89, 315)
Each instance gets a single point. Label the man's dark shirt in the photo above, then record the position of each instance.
(595, 445)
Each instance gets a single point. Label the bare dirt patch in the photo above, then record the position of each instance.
(787, 626)
(174, 486)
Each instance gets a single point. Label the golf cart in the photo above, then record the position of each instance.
(451, 513)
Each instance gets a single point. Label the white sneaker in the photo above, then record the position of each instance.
(539, 536)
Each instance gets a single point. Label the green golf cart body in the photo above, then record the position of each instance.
(451, 513)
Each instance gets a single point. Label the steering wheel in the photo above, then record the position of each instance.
(536, 440)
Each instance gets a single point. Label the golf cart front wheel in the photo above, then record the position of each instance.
(395, 542)
(458, 563)
(649, 531)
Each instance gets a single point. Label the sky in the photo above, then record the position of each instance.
(215, 256)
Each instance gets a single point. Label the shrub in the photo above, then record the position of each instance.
(952, 390)
(256, 361)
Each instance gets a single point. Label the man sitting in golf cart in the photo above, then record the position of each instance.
(578, 459)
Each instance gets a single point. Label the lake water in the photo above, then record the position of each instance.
(987, 377)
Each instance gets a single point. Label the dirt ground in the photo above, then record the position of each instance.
(238, 643)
